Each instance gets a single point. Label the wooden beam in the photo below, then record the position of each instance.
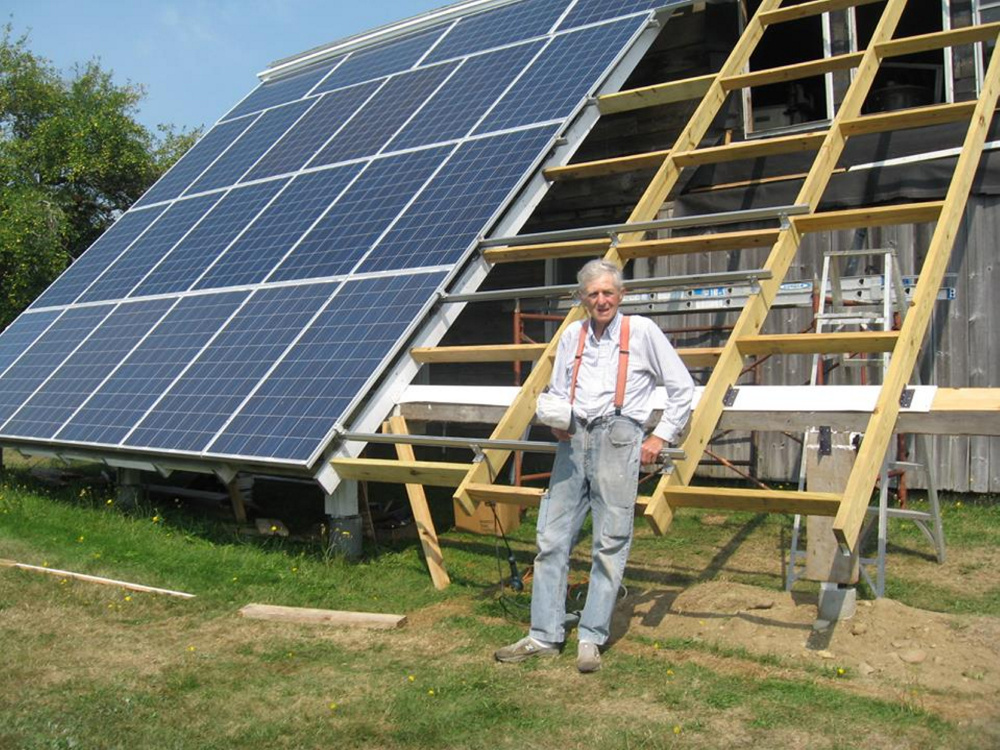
(908, 119)
(493, 493)
(840, 342)
(805, 10)
(755, 149)
(727, 370)
(698, 243)
(794, 72)
(847, 524)
(429, 473)
(236, 500)
(878, 216)
(655, 95)
(481, 353)
(696, 357)
(547, 251)
(605, 167)
(421, 512)
(95, 579)
(939, 39)
(371, 620)
(757, 501)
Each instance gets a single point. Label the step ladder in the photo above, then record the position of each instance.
(893, 303)
(628, 241)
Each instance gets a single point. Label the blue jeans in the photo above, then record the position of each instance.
(597, 470)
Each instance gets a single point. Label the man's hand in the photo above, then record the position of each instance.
(650, 451)
(561, 435)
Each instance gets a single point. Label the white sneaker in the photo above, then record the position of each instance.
(524, 649)
(588, 657)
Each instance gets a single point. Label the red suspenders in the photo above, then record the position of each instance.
(623, 342)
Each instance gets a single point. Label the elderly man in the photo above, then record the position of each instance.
(605, 373)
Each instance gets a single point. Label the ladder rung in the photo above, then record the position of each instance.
(759, 501)
(698, 243)
(547, 250)
(818, 343)
(938, 40)
(483, 353)
(908, 119)
(805, 10)
(658, 93)
(699, 356)
(789, 144)
(492, 493)
(852, 218)
(605, 167)
(792, 72)
(429, 473)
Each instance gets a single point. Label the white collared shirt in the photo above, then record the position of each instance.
(652, 361)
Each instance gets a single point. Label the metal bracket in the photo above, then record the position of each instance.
(730, 398)
(825, 440)
(906, 397)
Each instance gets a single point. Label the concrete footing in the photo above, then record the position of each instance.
(837, 602)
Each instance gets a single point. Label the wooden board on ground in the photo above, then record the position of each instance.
(374, 620)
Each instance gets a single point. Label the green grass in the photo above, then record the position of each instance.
(91, 666)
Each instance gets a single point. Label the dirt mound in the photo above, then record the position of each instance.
(949, 663)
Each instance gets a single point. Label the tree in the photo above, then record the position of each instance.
(72, 159)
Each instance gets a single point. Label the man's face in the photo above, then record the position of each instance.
(601, 298)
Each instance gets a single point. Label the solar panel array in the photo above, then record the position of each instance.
(254, 292)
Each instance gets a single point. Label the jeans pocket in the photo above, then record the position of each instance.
(623, 432)
(619, 521)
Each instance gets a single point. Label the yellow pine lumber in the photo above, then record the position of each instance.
(654, 95)
(493, 493)
(546, 251)
(805, 10)
(908, 119)
(429, 473)
(841, 342)
(788, 144)
(852, 218)
(605, 167)
(479, 353)
(698, 243)
(421, 512)
(793, 72)
(847, 524)
(729, 367)
(938, 39)
(94, 579)
(757, 501)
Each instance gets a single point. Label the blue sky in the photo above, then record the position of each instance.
(196, 58)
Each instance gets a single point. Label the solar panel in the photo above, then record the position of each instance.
(253, 297)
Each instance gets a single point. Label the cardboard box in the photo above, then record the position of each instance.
(482, 520)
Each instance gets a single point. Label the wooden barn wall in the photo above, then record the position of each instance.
(962, 347)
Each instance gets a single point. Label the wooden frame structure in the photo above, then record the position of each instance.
(477, 484)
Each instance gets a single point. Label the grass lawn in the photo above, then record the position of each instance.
(90, 666)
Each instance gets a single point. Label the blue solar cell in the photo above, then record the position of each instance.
(291, 414)
(257, 139)
(367, 133)
(108, 415)
(454, 209)
(99, 256)
(561, 77)
(195, 161)
(494, 28)
(212, 389)
(45, 355)
(339, 240)
(282, 90)
(312, 131)
(459, 104)
(276, 230)
(381, 60)
(82, 372)
(189, 258)
(132, 265)
(20, 334)
(591, 11)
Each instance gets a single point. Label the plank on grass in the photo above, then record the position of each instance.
(373, 620)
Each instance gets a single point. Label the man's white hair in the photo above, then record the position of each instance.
(596, 269)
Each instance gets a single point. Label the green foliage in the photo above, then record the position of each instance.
(72, 158)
